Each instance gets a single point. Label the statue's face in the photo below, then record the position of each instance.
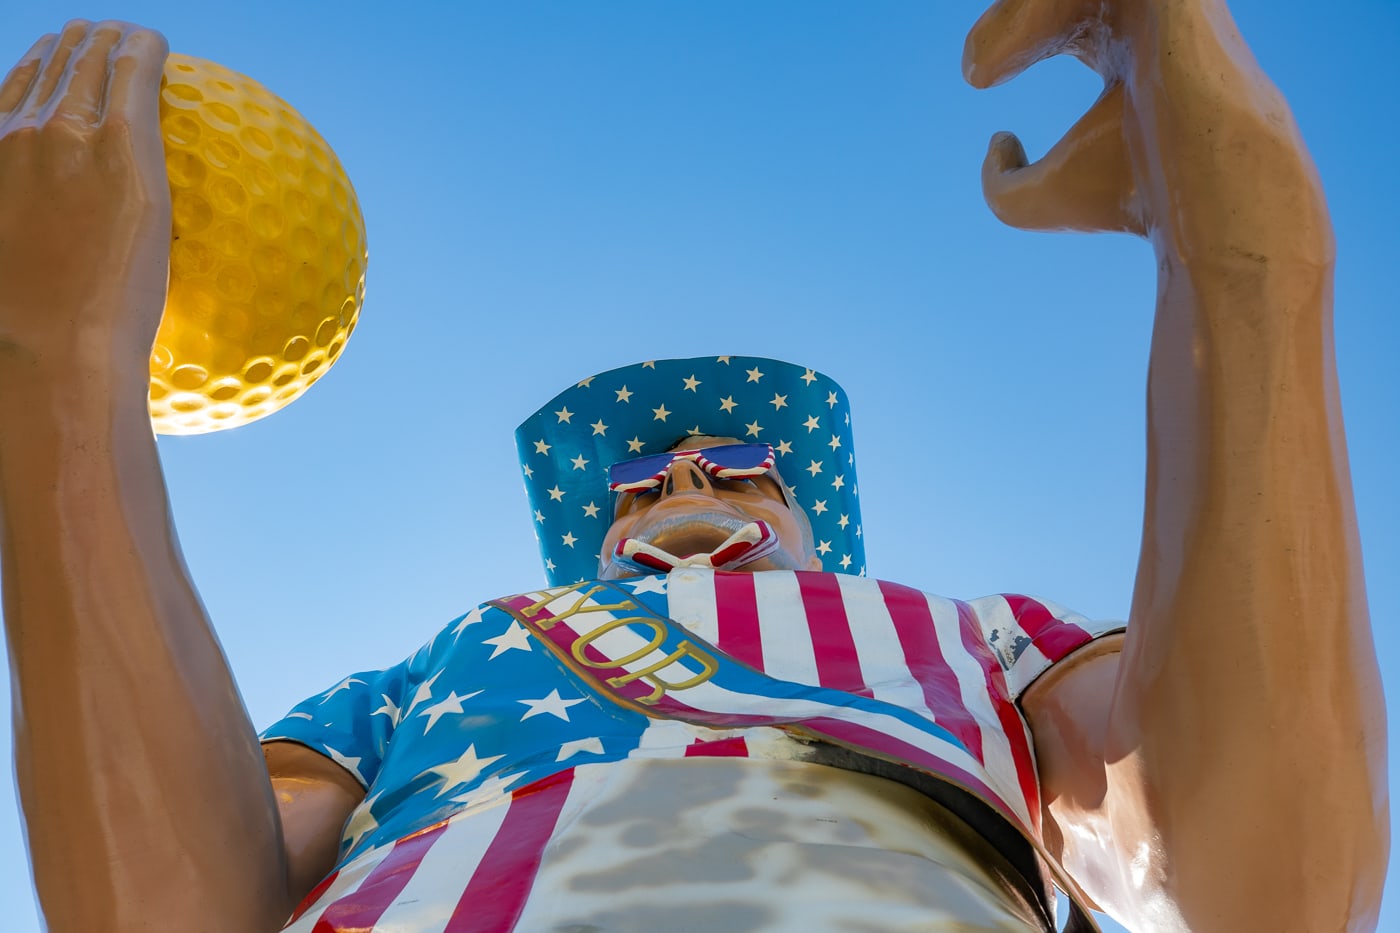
(692, 513)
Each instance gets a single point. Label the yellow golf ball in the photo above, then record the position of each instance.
(267, 259)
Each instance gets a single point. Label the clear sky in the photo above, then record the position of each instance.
(556, 188)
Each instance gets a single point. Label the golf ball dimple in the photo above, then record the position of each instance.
(267, 258)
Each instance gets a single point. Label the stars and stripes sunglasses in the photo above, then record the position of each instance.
(731, 461)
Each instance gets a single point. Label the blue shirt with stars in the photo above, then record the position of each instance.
(478, 710)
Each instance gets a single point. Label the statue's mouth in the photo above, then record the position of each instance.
(746, 542)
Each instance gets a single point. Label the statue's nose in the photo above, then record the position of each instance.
(685, 477)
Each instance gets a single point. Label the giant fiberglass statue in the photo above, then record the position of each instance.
(723, 723)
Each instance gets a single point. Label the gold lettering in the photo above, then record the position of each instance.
(579, 606)
(658, 638)
(708, 668)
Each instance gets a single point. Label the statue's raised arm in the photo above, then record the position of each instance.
(1227, 770)
(146, 799)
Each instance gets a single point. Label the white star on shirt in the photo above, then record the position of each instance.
(784, 447)
(728, 404)
(362, 822)
(424, 693)
(452, 703)
(579, 462)
(553, 704)
(590, 511)
(652, 583)
(569, 539)
(845, 520)
(819, 506)
(555, 493)
(809, 377)
(564, 414)
(514, 638)
(539, 516)
(659, 414)
(754, 375)
(634, 445)
(623, 395)
(811, 424)
(753, 429)
(343, 685)
(824, 547)
(541, 447)
(587, 382)
(831, 401)
(464, 770)
(388, 709)
(834, 443)
(815, 468)
(649, 364)
(549, 565)
(578, 746)
(599, 428)
(691, 382)
(838, 482)
(529, 473)
(349, 764)
(722, 359)
(778, 401)
(845, 561)
(469, 619)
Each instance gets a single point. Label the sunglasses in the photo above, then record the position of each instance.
(732, 461)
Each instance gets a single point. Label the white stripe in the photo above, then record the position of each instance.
(690, 600)
(787, 641)
(586, 787)
(427, 901)
(350, 878)
(996, 618)
(881, 657)
(972, 688)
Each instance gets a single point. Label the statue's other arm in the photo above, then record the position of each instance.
(1226, 771)
(146, 800)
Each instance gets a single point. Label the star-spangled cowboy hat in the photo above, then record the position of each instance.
(567, 446)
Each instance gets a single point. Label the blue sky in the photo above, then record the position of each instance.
(554, 189)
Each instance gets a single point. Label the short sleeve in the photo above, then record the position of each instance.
(353, 722)
(1029, 635)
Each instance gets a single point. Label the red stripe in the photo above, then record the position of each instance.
(499, 887)
(737, 607)
(718, 748)
(359, 910)
(313, 897)
(838, 667)
(913, 623)
(862, 738)
(1054, 637)
(1012, 725)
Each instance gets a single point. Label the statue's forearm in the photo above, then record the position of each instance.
(139, 771)
(1249, 698)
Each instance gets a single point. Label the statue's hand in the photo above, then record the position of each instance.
(1187, 130)
(84, 203)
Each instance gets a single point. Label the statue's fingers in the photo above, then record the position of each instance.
(51, 74)
(1012, 35)
(79, 96)
(133, 86)
(1084, 183)
(17, 83)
